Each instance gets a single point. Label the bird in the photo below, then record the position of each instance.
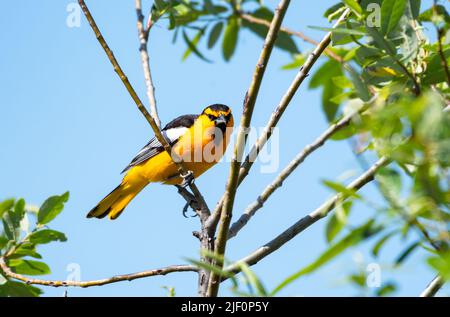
(199, 140)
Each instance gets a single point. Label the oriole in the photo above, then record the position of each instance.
(199, 140)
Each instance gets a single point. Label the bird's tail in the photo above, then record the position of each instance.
(115, 202)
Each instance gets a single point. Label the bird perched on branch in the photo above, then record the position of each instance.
(199, 140)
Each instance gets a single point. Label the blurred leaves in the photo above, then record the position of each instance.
(357, 235)
(230, 38)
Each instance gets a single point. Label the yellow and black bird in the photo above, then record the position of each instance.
(199, 140)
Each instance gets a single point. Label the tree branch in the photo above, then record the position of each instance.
(249, 104)
(278, 112)
(286, 172)
(308, 220)
(143, 48)
(114, 279)
(432, 288)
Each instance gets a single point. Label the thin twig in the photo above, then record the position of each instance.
(308, 220)
(114, 279)
(286, 172)
(143, 39)
(249, 105)
(432, 288)
(278, 112)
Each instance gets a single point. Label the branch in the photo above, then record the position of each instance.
(298, 34)
(181, 169)
(143, 39)
(114, 279)
(432, 288)
(308, 220)
(286, 172)
(442, 55)
(278, 112)
(249, 104)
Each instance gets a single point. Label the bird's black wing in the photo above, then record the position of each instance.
(172, 132)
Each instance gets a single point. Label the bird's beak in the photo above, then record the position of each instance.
(221, 120)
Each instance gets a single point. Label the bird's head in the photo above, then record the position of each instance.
(220, 115)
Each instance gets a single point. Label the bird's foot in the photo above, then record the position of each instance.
(186, 207)
(188, 179)
(191, 201)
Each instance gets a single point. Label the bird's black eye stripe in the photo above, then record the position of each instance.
(212, 117)
(227, 117)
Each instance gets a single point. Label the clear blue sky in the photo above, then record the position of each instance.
(67, 123)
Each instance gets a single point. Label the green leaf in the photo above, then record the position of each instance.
(29, 267)
(192, 46)
(380, 243)
(8, 229)
(299, 60)
(212, 268)
(16, 215)
(386, 289)
(323, 77)
(339, 188)
(352, 4)
(435, 73)
(46, 236)
(381, 42)
(441, 264)
(214, 34)
(391, 13)
(339, 30)
(390, 180)
(357, 235)
(331, 96)
(16, 289)
(284, 41)
(406, 252)
(254, 281)
(6, 205)
(342, 82)
(25, 249)
(415, 8)
(230, 38)
(338, 220)
(51, 208)
(3, 242)
(325, 73)
(359, 84)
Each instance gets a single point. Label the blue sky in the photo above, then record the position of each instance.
(67, 123)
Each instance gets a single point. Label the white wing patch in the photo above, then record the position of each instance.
(154, 146)
(174, 134)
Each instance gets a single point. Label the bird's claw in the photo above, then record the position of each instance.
(188, 179)
(185, 210)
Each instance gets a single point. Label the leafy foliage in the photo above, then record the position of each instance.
(217, 19)
(394, 76)
(18, 242)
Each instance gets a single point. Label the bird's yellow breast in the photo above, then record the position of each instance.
(200, 148)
